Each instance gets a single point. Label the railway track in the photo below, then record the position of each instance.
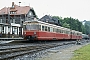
(8, 52)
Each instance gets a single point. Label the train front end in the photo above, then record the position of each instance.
(31, 30)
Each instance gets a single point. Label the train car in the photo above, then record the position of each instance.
(76, 35)
(84, 36)
(38, 30)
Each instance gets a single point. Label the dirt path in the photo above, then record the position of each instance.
(61, 54)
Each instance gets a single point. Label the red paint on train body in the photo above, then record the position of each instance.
(43, 35)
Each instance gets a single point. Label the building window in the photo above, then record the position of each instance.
(0, 20)
(21, 21)
(30, 13)
(6, 21)
(13, 20)
(47, 20)
(13, 6)
(12, 12)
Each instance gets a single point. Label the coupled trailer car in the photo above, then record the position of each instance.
(38, 30)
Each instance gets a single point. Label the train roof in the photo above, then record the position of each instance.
(36, 21)
(50, 25)
(30, 21)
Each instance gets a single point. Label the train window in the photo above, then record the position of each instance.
(45, 28)
(54, 29)
(66, 32)
(39, 27)
(73, 33)
(32, 27)
(58, 30)
(63, 31)
(42, 28)
(70, 32)
(78, 34)
(49, 29)
(27, 27)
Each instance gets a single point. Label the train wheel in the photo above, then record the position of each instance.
(78, 42)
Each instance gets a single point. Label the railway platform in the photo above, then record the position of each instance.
(7, 39)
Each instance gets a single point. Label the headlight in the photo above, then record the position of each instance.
(34, 32)
(24, 32)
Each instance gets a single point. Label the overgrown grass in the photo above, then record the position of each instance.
(82, 54)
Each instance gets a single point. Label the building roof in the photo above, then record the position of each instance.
(50, 19)
(17, 9)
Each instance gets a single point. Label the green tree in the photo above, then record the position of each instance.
(87, 27)
(71, 23)
(83, 29)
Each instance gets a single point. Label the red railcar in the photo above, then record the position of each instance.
(38, 30)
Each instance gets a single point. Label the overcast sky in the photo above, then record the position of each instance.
(78, 9)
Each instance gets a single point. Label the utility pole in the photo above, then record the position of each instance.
(3, 24)
(9, 22)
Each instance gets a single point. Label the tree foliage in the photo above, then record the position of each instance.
(73, 24)
(87, 27)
